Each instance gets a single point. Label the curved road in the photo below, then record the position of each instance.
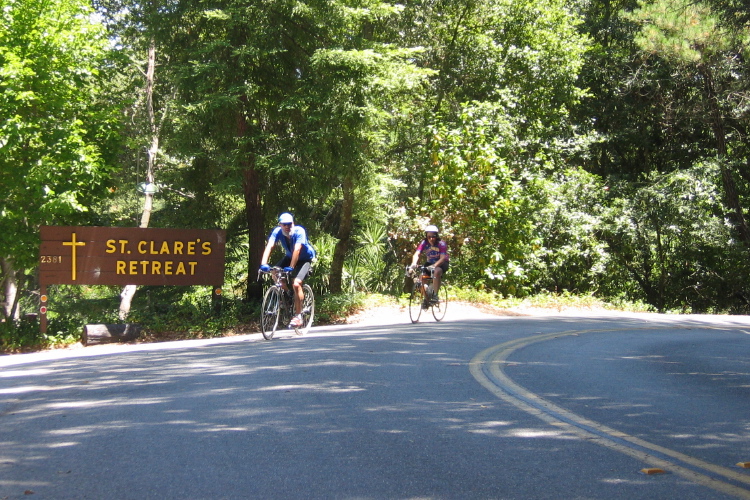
(615, 407)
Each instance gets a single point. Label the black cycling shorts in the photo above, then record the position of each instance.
(444, 266)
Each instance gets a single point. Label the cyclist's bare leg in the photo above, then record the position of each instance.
(299, 296)
(438, 274)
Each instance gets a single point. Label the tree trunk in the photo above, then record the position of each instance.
(128, 292)
(344, 236)
(255, 229)
(253, 213)
(10, 289)
(730, 187)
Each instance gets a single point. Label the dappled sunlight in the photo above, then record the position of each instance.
(340, 363)
(493, 424)
(620, 481)
(110, 402)
(34, 388)
(621, 406)
(224, 428)
(24, 373)
(540, 433)
(63, 444)
(641, 414)
(312, 387)
(350, 393)
(702, 440)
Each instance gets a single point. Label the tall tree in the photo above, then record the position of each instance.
(55, 125)
(692, 39)
(498, 115)
(149, 182)
(351, 98)
(253, 81)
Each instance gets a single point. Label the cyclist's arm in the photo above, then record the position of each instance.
(295, 254)
(415, 257)
(267, 251)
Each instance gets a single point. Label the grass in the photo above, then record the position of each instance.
(554, 301)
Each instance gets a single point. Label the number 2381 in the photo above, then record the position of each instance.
(51, 259)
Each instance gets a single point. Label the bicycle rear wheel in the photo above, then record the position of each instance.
(415, 304)
(269, 312)
(439, 307)
(308, 311)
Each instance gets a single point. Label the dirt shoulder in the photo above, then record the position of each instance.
(389, 314)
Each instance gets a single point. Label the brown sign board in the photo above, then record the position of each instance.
(84, 255)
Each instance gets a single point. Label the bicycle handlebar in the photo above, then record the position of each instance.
(279, 272)
(412, 271)
(274, 268)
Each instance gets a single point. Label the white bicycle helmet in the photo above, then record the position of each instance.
(285, 218)
(431, 229)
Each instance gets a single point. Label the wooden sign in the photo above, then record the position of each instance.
(82, 255)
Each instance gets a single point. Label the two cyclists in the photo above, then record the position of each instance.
(299, 254)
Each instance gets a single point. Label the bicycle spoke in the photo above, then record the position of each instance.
(308, 311)
(270, 311)
(439, 308)
(415, 304)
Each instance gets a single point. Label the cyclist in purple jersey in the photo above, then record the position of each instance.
(436, 254)
(298, 256)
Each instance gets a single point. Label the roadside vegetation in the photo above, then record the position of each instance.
(171, 314)
(571, 152)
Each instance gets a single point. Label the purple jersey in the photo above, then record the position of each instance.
(433, 252)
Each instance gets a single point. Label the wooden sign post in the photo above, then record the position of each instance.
(83, 255)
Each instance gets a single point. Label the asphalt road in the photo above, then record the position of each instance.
(495, 407)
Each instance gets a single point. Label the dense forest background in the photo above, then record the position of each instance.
(589, 147)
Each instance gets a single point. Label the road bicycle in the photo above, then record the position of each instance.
(278, 304)
(423, 297)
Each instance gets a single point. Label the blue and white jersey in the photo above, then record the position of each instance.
(297, 235)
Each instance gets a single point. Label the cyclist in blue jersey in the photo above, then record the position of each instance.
(298, 257)
(435, 251)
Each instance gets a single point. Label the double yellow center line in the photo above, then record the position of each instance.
(487, 369)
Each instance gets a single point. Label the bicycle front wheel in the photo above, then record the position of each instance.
(308, 310)
(441, 304)
(415, 304)
(269, 312)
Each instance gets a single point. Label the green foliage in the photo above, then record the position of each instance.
(334, 308)
(672, 246)
(568, 152)
(187, 312)
(70, 308)
(686, 32)
(54, 121)
(569, 257)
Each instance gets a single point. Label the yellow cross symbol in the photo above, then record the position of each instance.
(73, 243)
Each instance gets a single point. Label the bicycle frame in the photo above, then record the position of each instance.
(422, 276)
